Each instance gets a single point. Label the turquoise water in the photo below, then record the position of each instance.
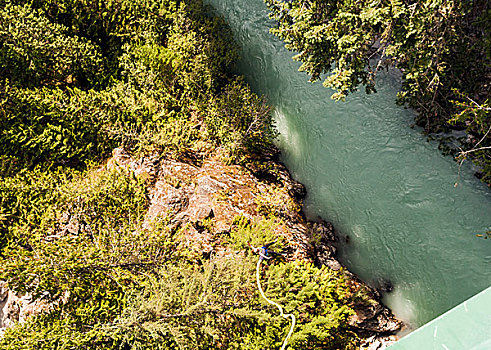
(379, 181)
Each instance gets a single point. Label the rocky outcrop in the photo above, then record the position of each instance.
(210, 197)
(16, 308)
(206, 199)
(377, 342)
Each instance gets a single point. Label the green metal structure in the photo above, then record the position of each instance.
(465, 327)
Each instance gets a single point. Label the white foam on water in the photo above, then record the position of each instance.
(402, 306)
(288, 138)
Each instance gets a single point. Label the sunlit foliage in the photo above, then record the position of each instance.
(79, 78)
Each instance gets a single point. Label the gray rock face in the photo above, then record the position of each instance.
(378, 342)
(9, 307)
(16, 308)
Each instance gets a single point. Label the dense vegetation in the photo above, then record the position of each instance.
(79, 78)
(442, 48)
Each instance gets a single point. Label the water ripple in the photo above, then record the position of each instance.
(376, 179)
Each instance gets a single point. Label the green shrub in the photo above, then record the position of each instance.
(217, 306)
(320, 299)
(256, 233)
(191, 307)
(24, 198)
(85, 223)
(239, 120)
(79, 239)
(167, 80)
(51, 126)
(35, 51)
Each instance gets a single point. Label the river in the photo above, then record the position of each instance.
(389, 192)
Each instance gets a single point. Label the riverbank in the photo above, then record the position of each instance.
(207, 199)
(377, 180)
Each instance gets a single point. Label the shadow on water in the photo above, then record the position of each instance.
(380, 182)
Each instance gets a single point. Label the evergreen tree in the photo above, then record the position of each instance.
(79, 78)
(441, 47)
